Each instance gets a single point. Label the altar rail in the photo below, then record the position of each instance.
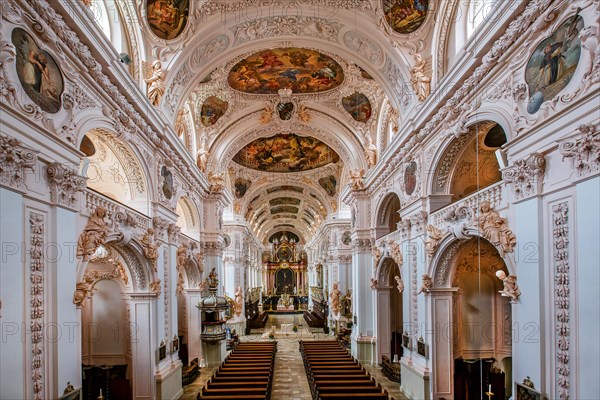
(495, 194)
(115, 210)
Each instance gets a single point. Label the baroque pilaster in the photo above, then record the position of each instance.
(584, 150)
(526, 176)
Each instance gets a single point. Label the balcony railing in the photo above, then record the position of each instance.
(94, 199)
(495, 194)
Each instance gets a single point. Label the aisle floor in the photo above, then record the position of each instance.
(289, 381)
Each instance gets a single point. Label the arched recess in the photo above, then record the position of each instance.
(117, 295)
(388, 215)
(469, 163)
(389, 310)
(188, 217)
(478, 339)
(114, 170)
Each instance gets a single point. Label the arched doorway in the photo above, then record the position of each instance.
(472, 344)
(389, 311)
(116, 298)
(388, 215)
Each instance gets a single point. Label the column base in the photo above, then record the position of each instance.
(168, 383)
(363, 349)
(415, 381)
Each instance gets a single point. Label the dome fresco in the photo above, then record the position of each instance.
(286, 153)
(405, 16)
(302, 70)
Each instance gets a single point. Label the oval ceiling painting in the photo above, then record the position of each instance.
(358, 106)
(286, 153)
(167, 18)
(302, 70)
(405, 16)
(213, 108)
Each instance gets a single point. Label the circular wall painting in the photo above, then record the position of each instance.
(410, 178)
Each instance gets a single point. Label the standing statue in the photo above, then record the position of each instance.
(156, 83)
(213, 281)
(93, 235)
(510, 286)
(356, 178)
(335, 298)
(238, 301)
(371, 152)
(495, 229)
(150, 247)
(420, 81)
(202, 156)
(182, 255)
(427, 283)
(400, 283)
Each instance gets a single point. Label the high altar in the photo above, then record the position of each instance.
(285, 269)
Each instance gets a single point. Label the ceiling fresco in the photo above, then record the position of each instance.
(285, 187)
(302, 70)
(278, 201)
(286, 153)
(358, 106)
(213, 108)
(284, 209)
(405, 16)
(167, 18)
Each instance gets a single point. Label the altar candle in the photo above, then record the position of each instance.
(489, 388)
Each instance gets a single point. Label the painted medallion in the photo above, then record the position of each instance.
(38, 72)
(410, 178)
(213, 108)
(358, 106)
(553, 63)
(302, 70)
(167, 18)
(286, 153)
(405, 16)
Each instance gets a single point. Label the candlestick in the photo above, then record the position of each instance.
(489, 394)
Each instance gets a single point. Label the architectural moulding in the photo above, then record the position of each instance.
(15, 161)
(526, 176)
(65, 185)
(37, 273)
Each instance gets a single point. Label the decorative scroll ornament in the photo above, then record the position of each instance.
(15, 159)
(216, 182)
(583, 150)
(511, 289)
(173, 232)
(65, 185)
(427, 283)
(36, 225)
(85, 289)
(155, 287)
(562, 297)
(396, 253)
(434, 235)
(150, 247)
(526, 176)
(94, 234)
(356, 179)
(495, 229)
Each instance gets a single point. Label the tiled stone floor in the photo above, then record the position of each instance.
(290, 382)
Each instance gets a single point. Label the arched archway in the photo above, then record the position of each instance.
(472, 343)
(117, 296)
(388, 215)
(389, 311)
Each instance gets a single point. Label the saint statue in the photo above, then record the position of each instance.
(238, 299)
(335, 298)
(156, 83)
(150, 247)
(510, 285)
(202, 156)
(371, 152)
(420, 81)
(93, 235)
(182, 255)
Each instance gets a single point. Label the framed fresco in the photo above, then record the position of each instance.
(241, 186)
(302, 70)
(405, 16)
(167, 18)
(279, 201)
(286, 153)
(38, 73)
(284, 209)
(553, 63)
(285, 188)
(167, 185)
(358, 106)
(410, 178)
(328, 183)
(212, 109)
